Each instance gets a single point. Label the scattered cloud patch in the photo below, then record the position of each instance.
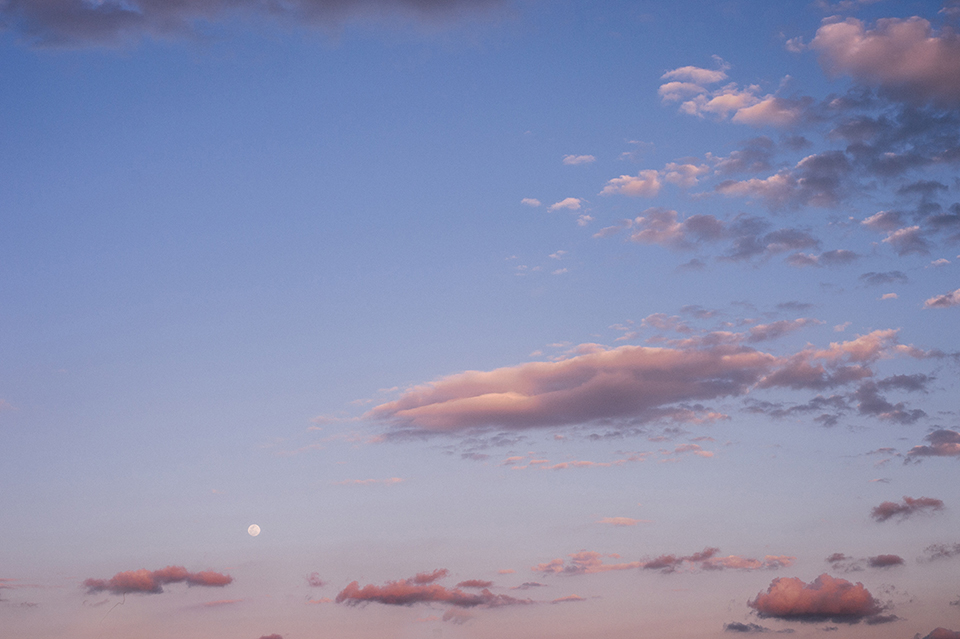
(530, 201)
(422, 589)
(152, 581)
(907, 508)
(947, 300)
(941, 443)
(569, 203)
(578, 159)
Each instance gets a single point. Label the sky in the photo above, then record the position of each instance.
(496, 318)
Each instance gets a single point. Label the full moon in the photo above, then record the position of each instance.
(254, 530)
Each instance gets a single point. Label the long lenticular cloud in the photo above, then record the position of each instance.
(635, 383)
(152, 581)
(82, 22)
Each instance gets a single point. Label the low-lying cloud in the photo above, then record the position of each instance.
(824, 599)
(152, 581)
(907, 508)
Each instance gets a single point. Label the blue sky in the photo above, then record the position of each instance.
(653, 306)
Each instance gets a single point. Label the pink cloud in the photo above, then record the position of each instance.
(826, 598)
(640, 383)
(943, 633)
(152, 582)
(421, 589)
(946, 300)
(908, 508)
(943, 443)
(568, 599)
(314, 580)
(645, 183)
(629, 381)
(904, 57)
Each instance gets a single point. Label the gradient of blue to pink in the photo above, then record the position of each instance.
(501, 319)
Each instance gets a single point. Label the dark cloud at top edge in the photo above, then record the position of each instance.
(76, 23)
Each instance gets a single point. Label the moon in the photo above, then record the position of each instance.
(254, 530)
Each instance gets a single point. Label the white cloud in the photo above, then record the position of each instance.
(530, 201)
(646, 184)
(578, 159)
(572, 203)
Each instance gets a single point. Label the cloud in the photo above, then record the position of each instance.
(626, 382)
(818, 180)
(908, 240)
(530, 201)
(771, 111)
(935, 552)
(571, 203)
(943, 443)
(735, 626)
(881, 279)
(870, 402)
(660, 226)
(474, 583)
(274, 636)
(755, 156)
(314, 580)
(946, 300)
(578, 159)
(684, 175)
(152, 582)
(635, 383)
(645, 184)
(108, 22)
(942, 633)
(696, 75)
(568, 599)
(885, 561)
(589, 562)
(421, 589)
(619, 521)
(905, 58)
(910, 506)
(839, 561)
(824, 599)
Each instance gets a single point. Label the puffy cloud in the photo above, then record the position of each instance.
(645, 183)
(943, 443)
(530, 201)
(76, 23)
(908, 240)
(944, 301)
(819, 180)
(755, 156)
(152, 582)
(421, 589)
(825, 598)
(684, 175)
(942, 633)
(772, 111)
(906, 58)
(578, 159)
(909, 507)
(571, 203)
(870, 402)
(661, 226)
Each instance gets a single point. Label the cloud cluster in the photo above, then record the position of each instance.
(688, 86)
(588, 562)
(942, 443)
(152, 581)
(944, 301)
(906, 509)
(422, 589)
(82, 22)
(824, 599)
